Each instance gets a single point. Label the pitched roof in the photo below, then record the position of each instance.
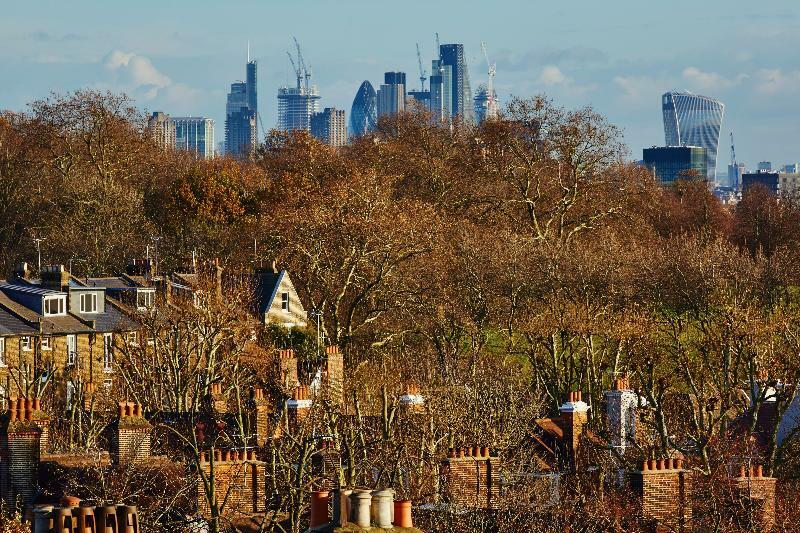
(10, 324)
(266, 287)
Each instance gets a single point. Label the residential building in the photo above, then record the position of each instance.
(460, 93)
(162, 128)
(195, 134)
(241, 115)
(364, 111)
(330, 126)
(276, 299)
(671, 163)
(693, 120)
(391, 95)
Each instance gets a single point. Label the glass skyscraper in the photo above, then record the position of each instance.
(364, 112)
(241, 115)
(195, 134)
(460, 93)
(693, 120)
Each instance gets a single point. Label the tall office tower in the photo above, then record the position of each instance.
(791, 168)
(440, 93)
(162, 128)
(195, 134)
(735, 173)
(693, 120)
(364, 111)
(329, 126)
(392, 94)
(452, 55)
(485, 107)
(241, 114)
(671, 163)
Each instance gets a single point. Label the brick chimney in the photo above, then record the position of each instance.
(21, 444)
(239, 480)
(665, 491)
(217, 400)
(757, 492)
(574, 417)
(621, 412)
(55, 277)
(260, 411)
(22, 271)
(287, 369)
(470, 478)
(334, 374)
(326, 463)
(411, 399)
(299, 406)
(131, 435)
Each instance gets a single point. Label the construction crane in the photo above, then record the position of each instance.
(422, 72)
(733, 152)
(492, 70)
(297, 71)
(306, 71)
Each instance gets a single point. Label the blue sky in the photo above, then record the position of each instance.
(617, 56)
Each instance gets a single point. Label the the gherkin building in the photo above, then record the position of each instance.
(364, 113)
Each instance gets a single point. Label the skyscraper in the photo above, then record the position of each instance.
(392, 94)
(364, 111)
(241, 114)
(452, 55)
(195, 134)
(671, 163)
(297, 104)
(162, 128)
(693, 120)
(329, 126)
(485, 107)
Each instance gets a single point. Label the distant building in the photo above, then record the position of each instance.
(735, 175)
(765, 166)
(391, 95)
(241, 115)
(458, 86)
(693, 120)
(791, 168)
(770, 180)
(440, 85)
(195, 134)
(329, 126)
(485, 107)
(419, 100)
(671, 163)
(297, 104)
(364, 111)
(162, 129)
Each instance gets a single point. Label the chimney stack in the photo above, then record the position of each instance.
(55, 277)
(575, 416)
(621, 412)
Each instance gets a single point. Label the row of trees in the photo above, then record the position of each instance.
(527, 248)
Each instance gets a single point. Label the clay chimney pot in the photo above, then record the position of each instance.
(645, 465)
(137, 409)
(476, 451)
(670, 464)
(741, 471)
(660, 464)
(679, 464)
(485, 451)
(218, 455)
(460, 452)
(652, 464)
(759, 471)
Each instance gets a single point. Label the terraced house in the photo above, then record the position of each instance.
(59, 324)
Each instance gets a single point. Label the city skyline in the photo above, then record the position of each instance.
(569, 57)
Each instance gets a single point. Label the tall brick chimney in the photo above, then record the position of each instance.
(334, 374)
(621, 413)
(287, 369)
(574, 417)
(132, 434)
(299, 406)
(411, 399)
(260, 411)
(55, 277)
(757, 492)
(665, 490)
(470, 478)
(21, 444)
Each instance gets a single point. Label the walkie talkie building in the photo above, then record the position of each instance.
(693, 120)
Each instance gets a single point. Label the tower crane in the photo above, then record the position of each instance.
(422, 72)
(492, 70)
(733, 152)
(306, 71)
(297, 71)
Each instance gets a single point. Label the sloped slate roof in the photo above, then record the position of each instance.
(266, 287)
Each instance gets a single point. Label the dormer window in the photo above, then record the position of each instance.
(55, 305)
(89, 302)
(144, 299)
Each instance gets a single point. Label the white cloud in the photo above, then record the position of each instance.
(552, 75)
(641, 88)
(774, 81)
(710, 80)
(137, 73)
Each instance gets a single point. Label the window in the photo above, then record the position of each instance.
(72, 350)
(2, 352)
(47, 343)
(285, 301)
(108, 352)
(89, 302)
(144, 299)
(107, 383)
(133, 338)
(26, 343)
(54, 305)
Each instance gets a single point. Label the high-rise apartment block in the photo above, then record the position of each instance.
(457, 86)
(162, 128)
(195, 134)
(693, 120)
(241, 115)
(329, 126)
(392, 94)
(671, 163)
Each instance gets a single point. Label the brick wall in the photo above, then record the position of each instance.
(758, 493)
(287, 369)
(664, 489)
(470, 478)
(239, 481)
(21, 450)
(299, 406)
(326, 464)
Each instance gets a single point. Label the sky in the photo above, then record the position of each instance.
(617, 56)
